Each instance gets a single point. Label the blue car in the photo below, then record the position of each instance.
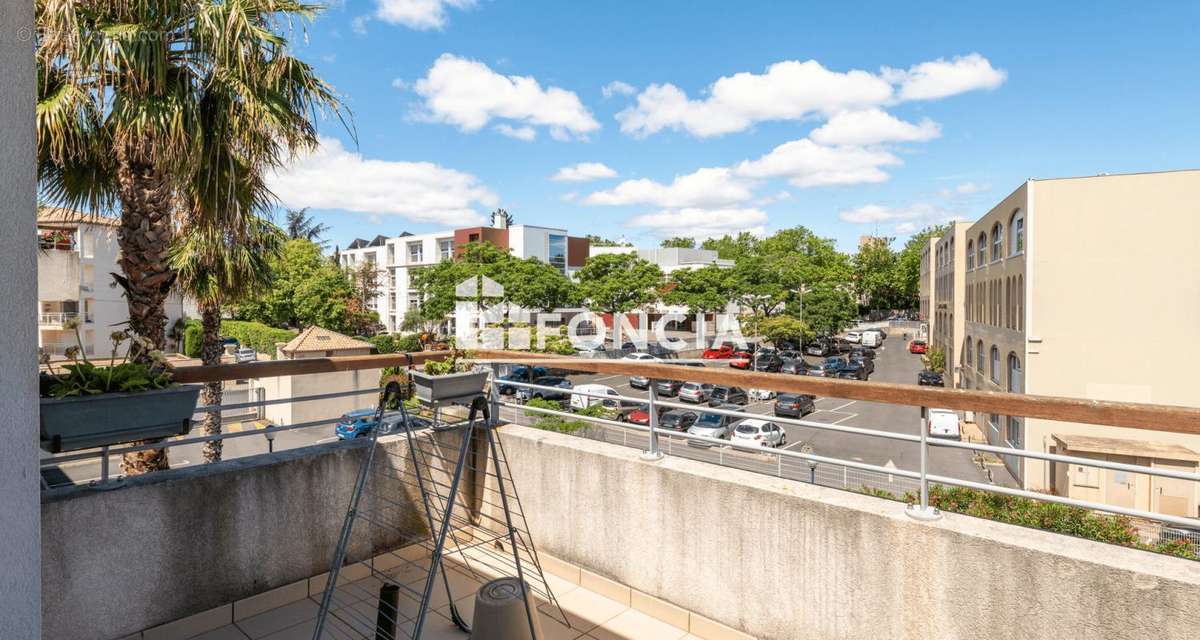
(360, 422)
(520, 374)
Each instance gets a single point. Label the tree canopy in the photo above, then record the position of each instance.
(619, 282)
(679, 242)
(307, 290)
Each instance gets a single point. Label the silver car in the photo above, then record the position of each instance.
(695, 392)
(711, 425)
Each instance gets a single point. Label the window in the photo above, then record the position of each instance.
(445, 249)
(981, 249)
(391, 254)
(557, 254)
(1014, 373)
(970, 254)
(979, 356)
(969, 362)
(416, 252)
(1012, 432)
(997, 241)
(995, 365)
(414, 300)
(1016, 233)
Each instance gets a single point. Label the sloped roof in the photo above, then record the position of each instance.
(1125, 447)
(59, 215)
(316, 338)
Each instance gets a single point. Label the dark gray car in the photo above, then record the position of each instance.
(727, 395)
(794, 405)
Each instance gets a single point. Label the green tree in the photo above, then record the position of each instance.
(908, 266)
(875, 274)
(935, 360)
(679, 242)
(619, 282)
(537, 286)
(141, 102)
(301, 226)
(732, 247)
(597, 241)
(307, 290)
(827, 309)
(782, 327)
(704, 290)
(760, 284)
(219, 265)
(437, 283)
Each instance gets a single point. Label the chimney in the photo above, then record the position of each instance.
(501, 219)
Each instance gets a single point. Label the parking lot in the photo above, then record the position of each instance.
(893, 363)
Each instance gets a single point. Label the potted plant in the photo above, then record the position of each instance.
(455, 377)
(85, 405)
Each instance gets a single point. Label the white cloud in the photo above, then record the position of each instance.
(421, 15)
(468, 94)
(333, 177)
(965, 189)
(702, 223)
(569, 196)
(941, 78)
(905, 219)
(359, 25)
(616, 87)
(711, 187)
(520, 133)
(807, 164)
(583, 172)
(795, 90)
(399, 83)
(872, 126)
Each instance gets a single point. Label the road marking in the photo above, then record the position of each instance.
(608, 378)
(852, 415)
(840, 407)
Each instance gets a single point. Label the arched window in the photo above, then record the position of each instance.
(1014, 373)
(981, 249)
(979, 356)
(995, 365)
(1016, 233)
(970, 254)
(1021, 303)
(968, 354)
(997, 241)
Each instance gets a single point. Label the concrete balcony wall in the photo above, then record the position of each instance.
(781, 559)
(58, 275)
(180, 542)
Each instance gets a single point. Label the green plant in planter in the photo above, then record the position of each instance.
(84, 378)
(458, 362)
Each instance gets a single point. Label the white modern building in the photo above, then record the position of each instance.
(76, 253)
(397, 258)
(670, 259)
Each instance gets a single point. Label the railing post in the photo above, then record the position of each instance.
(653, 453)
(923, 511)
(104, 464)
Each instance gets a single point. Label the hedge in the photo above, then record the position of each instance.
(193, 337)
(390, 343)
(258, 336)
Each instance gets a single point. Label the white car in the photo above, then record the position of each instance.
(854, 337)
(695, 392)
(638, 355)
(760, 432)
(579, 401)
(943, 423)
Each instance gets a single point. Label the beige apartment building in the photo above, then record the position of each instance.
(949, 281)
(1086, 288)
(926, 287)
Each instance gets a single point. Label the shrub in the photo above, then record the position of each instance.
(383, 343)
(552, 423)
(258, 336)
(193, 339)
(409, 343)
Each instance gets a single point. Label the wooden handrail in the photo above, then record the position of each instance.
(1175, 419)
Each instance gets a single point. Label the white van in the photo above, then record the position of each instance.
(943, 423)
(579, 401)
(871, 339)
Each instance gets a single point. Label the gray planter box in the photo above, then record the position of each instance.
(448, 387)
(85, 422)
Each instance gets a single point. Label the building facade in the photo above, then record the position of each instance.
(948, 280)
(76, 253)
(398, 258)
(1089, 288)
(925, 287)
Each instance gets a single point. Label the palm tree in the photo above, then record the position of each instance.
(146, 103)
(301, 226)
(218, 265)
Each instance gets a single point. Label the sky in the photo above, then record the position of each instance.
(656, 119)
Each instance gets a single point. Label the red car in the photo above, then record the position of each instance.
(743, 359)
(640, 416)
(723, 352)
(917, 346)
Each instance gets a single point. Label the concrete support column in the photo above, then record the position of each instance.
(20, 522)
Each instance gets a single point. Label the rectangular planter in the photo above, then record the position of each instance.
(455, 385)
(85, 422)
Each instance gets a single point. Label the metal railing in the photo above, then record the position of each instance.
(59, 317)
(800, 465)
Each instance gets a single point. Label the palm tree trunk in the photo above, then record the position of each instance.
(144, 238)
(210, 353)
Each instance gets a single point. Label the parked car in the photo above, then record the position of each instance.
(852, 370)
(853, 337)
(828, 368)
(794, 405)
(917, 346)
(820, 347)
(719, 352)
(760, 432)
(929, 378)
(871, 338)
(728, 396)
(712, 425)
(360, 422)
(767, 361)
(641, 356)
(668, 387)
(796, 367)
(522, 373)
(677, 419)
(789, 354)
(580, 401)
(525, 394)
(742, 359)
(639, 382)
(695, 392)
(641, 416)
(866, 363)
(865, 353)
(786, 345)
(943, 423)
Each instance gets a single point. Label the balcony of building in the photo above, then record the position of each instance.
(640, 531)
